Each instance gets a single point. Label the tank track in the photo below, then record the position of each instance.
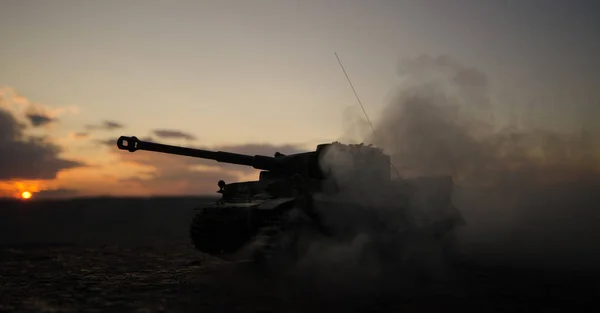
(264, 239)
(220, 230)
(275, 244)
(223, 230)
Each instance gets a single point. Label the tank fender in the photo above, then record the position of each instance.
(275, 203)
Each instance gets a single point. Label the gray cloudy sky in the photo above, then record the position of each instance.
(226, 73)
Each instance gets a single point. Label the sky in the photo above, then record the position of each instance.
(256, 77)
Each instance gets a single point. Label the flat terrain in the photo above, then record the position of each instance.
(175, 279)
(115, 255)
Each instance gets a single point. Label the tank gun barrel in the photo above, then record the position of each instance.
(260, 162)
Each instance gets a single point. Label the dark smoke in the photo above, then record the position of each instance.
(440, 124)
(529, 196)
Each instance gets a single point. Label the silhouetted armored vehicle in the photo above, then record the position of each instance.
(336, 192)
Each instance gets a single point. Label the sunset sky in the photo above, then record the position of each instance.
(255, 77)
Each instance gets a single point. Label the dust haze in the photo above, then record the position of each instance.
(529, 196)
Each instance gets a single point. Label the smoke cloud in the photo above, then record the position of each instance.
(528, 196)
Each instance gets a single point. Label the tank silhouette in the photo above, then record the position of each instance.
(336, 191)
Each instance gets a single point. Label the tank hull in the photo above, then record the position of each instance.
(419, 207)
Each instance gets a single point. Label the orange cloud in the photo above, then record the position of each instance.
(29, 112)
(13, 189)
(27, 162)
(40, 165)
(25, 157)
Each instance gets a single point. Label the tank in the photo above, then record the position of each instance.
(335, 192)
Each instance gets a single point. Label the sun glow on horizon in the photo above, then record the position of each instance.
(16, 189)
(26, 195)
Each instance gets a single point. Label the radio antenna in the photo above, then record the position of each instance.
(354, 90)
(360, 103)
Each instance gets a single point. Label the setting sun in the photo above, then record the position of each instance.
(26, 195)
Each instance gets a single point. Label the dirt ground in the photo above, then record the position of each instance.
(178, 279)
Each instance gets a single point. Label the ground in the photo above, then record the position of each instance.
(178, 279)
(134, 255)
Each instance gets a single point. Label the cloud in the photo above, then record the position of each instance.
(260, 149)
(178, 180)
(55, 193)
(39, 119)
(27, 157)
(33, 113)
(105, 125)
(166, 133)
